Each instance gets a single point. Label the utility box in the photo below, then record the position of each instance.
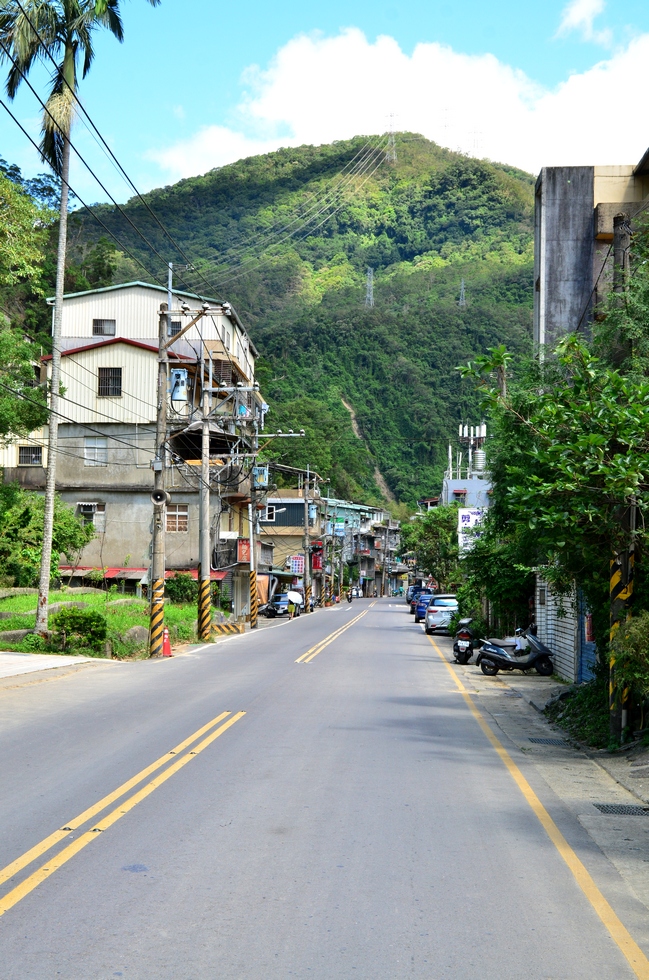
(178, 384)
(259, 477)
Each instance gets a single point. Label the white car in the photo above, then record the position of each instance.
(439, 612)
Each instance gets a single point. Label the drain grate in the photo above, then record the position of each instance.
(623, 809)
(549, 741)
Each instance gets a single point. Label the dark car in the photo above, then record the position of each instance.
(415, 598)
(421, 605)
(278, 606)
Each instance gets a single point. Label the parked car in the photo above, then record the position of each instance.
(421, 605)
(278, 606)
(357, 593)
(416, 597)
(439, 612)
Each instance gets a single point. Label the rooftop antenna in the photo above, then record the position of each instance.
(369, 289)
(462, 300)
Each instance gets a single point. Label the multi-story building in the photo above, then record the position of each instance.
(109, 373)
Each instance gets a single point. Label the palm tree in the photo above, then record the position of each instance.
(58, 33)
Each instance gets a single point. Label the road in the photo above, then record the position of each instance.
(358, 821)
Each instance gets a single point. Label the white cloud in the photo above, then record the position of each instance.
(321, 89)
(579, 15)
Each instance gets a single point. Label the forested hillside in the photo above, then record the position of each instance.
(287, 238)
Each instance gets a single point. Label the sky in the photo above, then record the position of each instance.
(200, 84)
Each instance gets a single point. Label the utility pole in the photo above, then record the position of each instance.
(159, 496)
(254, 598)
(622, 565)
(341, 574)
(53, 421)
(385, 559)
(307, 568)
(205, 578)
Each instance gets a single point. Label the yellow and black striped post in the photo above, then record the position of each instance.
(307, 598)
(204, 609)
(622, 571)
(157, 617)
(254, 601)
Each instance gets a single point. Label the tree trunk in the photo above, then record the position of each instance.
(55, 384)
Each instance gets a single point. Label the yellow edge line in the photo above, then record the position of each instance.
(39, 849)
(334, 636)
(619, 933)
(41, 874)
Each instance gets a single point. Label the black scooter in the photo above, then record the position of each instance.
(498, 655)
(465, 641)
(349, 595)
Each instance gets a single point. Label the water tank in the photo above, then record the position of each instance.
(479, 460)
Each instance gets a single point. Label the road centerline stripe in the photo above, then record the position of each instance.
(48, 842)
(57, 861)
(617, 930)
(321, 644)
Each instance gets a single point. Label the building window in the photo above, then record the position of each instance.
(177, 517)
(30, 455)
(269, 513)
(95, 514)
(103, 328)
(95, 451)
(110, 381)
(174, 327)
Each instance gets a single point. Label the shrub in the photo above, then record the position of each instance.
(79, 627)
(184, 631)
(34, 642)
(182, 588)
(630, 648)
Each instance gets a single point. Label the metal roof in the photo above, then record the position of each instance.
(130, 285)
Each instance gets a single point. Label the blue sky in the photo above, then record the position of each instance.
(199, 84)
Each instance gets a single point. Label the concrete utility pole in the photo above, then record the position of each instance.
(204, 585)
(159, 496)
(254, 598)
(307, 566)
(385, 560)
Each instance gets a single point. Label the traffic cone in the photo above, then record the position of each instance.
(166, 644)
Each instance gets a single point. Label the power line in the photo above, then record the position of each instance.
(122, 247)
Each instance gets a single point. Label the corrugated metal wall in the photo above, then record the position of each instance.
(559, 633)
(79, 376)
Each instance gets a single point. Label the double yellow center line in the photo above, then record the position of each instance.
(319, 647)
(63, 856)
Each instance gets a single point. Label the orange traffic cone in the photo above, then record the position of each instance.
(166, 644)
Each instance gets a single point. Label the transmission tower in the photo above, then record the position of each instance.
(369, 291)
(462, 301)
(391, 151)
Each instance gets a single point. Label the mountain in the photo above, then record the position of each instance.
(288, 237)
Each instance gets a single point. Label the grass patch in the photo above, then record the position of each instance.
(584, 713)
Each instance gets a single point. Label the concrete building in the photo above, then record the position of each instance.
(109, 369)
(575, 209)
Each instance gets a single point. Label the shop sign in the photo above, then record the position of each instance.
(243, 550)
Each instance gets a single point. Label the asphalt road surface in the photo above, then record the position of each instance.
(357, 821)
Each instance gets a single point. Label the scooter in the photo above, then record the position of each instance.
(349, 595)
(498, 655)
(464, 642)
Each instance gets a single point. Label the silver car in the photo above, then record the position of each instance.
(439, 612)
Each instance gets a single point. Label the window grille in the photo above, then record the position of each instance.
(174, 327)
(95, 451)
(103, 328)
(177, 517)
(110, 381)
(30, 455)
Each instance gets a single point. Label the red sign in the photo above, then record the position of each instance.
(316, 562)
(243, 550)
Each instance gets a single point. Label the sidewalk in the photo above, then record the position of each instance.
(18, 664)
(586, 780)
